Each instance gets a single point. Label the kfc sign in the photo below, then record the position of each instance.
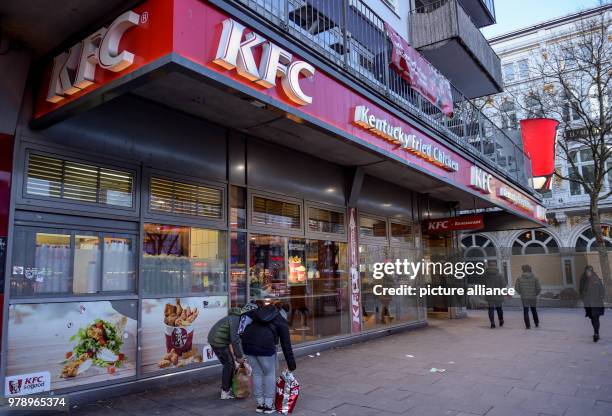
(480, 179)
(236, 51)
(75, 69)
(461, 223)
(27, 384)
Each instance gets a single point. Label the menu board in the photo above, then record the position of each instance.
(71, 344)
(175, 331)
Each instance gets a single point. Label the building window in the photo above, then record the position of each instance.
(508, 115)
(568, 110)
(372, 227)
(583, 160)
(569, 275)
(78, 182)
(508, 72)
(402, 233)
(276, 214)
(181, 198)
(326, 221)
(535, 242)
(183, 260)
(569, 57)
(392, 4)
(523, 68)
(478, 247)
(586, 240)
(533, 106)
(48, 261)
(306, 277)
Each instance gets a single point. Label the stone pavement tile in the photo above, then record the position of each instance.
(392, 406)
(431, 409)
(356, 387)
(465, 392)
(529, 394)
(551, 407)
(388, 393)
(557, 388)
(352, 410)
(318, 404)
(510, 411)
(430, 389)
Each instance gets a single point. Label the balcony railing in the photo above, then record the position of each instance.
(351, 36)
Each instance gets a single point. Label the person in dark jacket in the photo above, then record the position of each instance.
(259, 341)
(528, 286)
(494, 280)
(222, 336)
(592, 294)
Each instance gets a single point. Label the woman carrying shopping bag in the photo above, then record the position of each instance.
(259, 341)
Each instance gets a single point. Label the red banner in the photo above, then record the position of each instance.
(461, 223)
(419, 73)
(539, 141)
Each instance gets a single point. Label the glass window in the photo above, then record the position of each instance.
(508, 72)
(523, 67)
(380, 310)
(325, 221)
(238, 269)
(274, 213)
(86, 264)
(183, 260)
(62, 179)
(237, 207)
(401, 233)
(308, 278)
(65, 262)
(186, 199)
(119, 264)
(372, 227)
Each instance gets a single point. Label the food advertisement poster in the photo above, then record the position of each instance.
(175, 331)
(75, 342)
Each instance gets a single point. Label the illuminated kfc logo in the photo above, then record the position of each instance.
(75, 69)
(236, 49)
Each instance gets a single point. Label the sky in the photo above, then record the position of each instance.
(516, 14)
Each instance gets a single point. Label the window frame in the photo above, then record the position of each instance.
(79, 208)
(272, 230)
(373, 240)
(79, 226)
(316, 235)
(152, 216)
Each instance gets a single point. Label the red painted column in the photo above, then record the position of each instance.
(6, 170)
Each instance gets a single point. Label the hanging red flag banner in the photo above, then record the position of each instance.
(419, 73)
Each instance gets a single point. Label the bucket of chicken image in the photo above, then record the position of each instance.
(178, 327)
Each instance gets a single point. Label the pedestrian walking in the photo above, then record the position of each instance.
(592, 294)
(494, 280)
(225, 342)
(259, 341)
(528, 286)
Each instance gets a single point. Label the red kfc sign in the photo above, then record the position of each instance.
(461, 223)
(419, 73)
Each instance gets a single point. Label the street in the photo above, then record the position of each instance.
(552, 370)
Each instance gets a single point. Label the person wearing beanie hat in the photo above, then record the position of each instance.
(223, 335)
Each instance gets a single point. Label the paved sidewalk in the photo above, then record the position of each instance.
(553, 370)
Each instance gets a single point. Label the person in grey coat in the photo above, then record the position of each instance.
(592, 294)
(494, 280)
(528, 286)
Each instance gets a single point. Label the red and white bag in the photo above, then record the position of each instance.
(287, 392)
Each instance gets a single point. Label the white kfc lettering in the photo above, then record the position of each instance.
(75, 69)
(480, 179)
(235, 51)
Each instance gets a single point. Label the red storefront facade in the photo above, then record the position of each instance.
(184, 157)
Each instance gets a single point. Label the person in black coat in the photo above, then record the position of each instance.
(592, 294)
(494, 280)
(259, 341)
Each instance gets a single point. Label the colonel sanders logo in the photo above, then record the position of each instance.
(15, 386)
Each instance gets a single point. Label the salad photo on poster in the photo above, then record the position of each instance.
(76, 342)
